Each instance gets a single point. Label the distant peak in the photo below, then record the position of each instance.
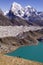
(17, 9)
(16, 6)
(28, 6)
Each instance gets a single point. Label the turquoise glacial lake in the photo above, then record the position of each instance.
(34, 53)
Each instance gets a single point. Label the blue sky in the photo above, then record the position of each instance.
(37, 4)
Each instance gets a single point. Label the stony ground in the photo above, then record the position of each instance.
(6, 60)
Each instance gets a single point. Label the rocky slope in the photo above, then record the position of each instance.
(10, 43)
(4, 21)
(6, 60)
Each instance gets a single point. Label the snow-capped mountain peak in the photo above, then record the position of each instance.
(15, 6)
(25, 12)
(17, 9)
(29, 9)
(28, 6)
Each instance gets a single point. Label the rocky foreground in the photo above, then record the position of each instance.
(6, 60)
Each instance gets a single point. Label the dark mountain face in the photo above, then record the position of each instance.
(36, 19)
(15, 20)
(12, 20)
(25, 20)
(4, 21)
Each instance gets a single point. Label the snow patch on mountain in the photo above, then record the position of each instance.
(6, 12)
(17, 9)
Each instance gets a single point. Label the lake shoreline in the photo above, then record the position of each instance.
(28, 52)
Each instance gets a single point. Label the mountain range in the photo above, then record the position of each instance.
(27, 13)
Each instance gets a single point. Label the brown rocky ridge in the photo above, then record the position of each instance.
(8, 44)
